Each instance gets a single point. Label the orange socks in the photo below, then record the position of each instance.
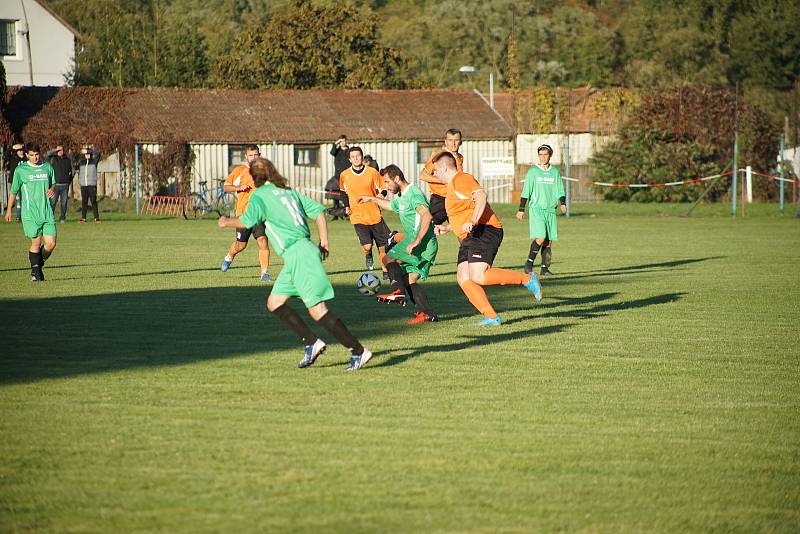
(503, 277)
(477, 297)
(263, 258)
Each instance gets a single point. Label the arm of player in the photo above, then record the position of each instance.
(11, 199)
(230, 222)
(383, 203)
(424, 224)
(322, 229)
(480, 199)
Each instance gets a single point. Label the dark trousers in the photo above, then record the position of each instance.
(89, 192)
(62, 195)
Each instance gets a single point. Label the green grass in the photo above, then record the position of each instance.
(655, 387)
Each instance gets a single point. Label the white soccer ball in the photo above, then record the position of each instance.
(368, 284)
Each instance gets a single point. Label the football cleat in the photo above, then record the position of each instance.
(385, 275)
(81, 221)
(534, 287)
(545, 272)
(486, 321)
(265, 277)
(369, 262)
(395, 297)
(357, 362)
(422, 317)
(97, 221)
(225, 265)
(312, 353)
(37, 275)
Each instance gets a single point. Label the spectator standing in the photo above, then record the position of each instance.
(87, 178)
(369, 161)
(341, 161)
(17, 157)
(62, 166)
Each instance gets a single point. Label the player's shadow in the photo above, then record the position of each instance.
(67, 336)
(57, 266)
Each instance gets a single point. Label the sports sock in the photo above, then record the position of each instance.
(534, 251)
(45, 254)
(35, 259)
(397, 275)
(547, 255)
(503, 277)
(421, 299)
(477, 297)
(263, 259)
(290, 318)
(336, 327)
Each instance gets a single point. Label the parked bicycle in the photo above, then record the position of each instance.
(200, 204)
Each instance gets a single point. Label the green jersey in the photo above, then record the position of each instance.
(283, 212)
(405, 205)
(33, 181)
(543, 187)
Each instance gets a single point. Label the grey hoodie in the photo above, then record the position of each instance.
(87, 169)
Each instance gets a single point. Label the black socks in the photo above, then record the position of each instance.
(336, 327)
(421, 299)
(291, 319)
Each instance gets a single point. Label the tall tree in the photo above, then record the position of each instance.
(308, 46)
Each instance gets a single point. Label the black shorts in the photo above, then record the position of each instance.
(481, 245)
(257, 231)
(438, 211)
(367, 233)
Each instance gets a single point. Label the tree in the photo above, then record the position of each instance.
(311, 46)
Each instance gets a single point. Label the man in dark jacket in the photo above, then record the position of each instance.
(17, 156)
(87, 178)
(341, 161)
(62, 166)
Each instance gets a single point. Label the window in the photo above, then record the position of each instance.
(306, 156)
(8, 37)
(425, 151)
(235, 156)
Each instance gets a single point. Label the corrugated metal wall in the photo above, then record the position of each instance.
(211, 163)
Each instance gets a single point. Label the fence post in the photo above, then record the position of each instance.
(136, 176)
(748, 180)
(735, 175)
(566, 169)
(780, 173)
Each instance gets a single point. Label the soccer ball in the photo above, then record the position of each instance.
(368, 284)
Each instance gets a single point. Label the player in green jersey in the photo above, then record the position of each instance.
(409, 261)
(545, 190)
(34, 181)
(284, 212)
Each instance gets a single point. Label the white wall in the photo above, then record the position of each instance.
(52, 45)
(581, 147)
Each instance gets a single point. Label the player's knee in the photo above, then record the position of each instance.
(539, 241)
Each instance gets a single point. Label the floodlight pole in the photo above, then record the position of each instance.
(780, 172)
(735, 175)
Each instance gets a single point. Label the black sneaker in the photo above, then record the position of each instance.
(528, 267)
(545, 272)
(369, 262)
(37, 275)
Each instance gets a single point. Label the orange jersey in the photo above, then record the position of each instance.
(366, 183)
(434, 187)
(240, 177)
(460, 206)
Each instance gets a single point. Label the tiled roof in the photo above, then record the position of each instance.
(310, 116)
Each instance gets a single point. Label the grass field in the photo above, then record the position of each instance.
(656, 387)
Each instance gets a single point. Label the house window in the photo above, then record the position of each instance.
(306, 156)
(8, 37)
(425, 151)
(235, 156)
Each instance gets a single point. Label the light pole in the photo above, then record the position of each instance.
(469, 69)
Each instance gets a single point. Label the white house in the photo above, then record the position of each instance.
(37, 46)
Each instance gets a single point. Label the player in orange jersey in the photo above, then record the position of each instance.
(240, 182)
(437, 187)
(481, 233)
(355, 182)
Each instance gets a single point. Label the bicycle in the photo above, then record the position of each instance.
(199, 204)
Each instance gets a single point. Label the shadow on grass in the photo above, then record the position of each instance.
(69, 336)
